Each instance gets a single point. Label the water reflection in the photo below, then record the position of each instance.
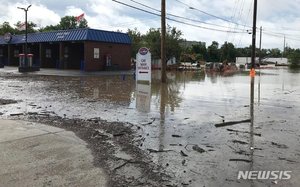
(164, 92)
(294, 69)
(258, 89)
(180, 77)
(112, 88)
(143, 97)
(251, 142)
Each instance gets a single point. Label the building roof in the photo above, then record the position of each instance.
(82, 34)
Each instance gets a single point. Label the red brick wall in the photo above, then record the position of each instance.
(120, 56)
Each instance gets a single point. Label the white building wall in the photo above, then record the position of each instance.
(244, 60)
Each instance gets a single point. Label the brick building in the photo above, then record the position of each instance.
(85, 49)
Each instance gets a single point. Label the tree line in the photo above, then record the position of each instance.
(195, 51)
(66, 22)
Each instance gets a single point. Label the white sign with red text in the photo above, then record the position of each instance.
(143, 65)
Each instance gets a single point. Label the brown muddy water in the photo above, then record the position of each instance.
(190, 126)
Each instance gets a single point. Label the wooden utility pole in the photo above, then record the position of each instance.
(260, 45)
(283, 47)
(163, 42)
(254, 35)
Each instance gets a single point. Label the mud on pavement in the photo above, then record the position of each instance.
(115, 149)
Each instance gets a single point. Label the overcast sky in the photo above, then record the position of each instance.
(277, 17)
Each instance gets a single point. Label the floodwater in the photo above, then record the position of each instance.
(178, 119)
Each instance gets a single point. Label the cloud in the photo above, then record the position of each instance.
(278, 17)
(73, 11)
(37, 13)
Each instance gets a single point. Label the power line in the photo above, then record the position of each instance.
(246, 20)
(209, 14)
(185, 18)
(280, 36)
(270, 33)
(178, 21)
(203, 27)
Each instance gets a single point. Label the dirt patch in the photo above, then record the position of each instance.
(115, 148)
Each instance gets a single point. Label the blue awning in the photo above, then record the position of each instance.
(83, 34)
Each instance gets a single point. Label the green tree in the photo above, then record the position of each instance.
(6, 28)
(173, 37)
(83, 23)
(275, 53)
(213, 52)
(288, 51)
(264, 53)
(200, 51)
(243, 52)
(50, 28)
(152, 40)
(70, 22)
(67, 22)
(294, 58)
(136, 41)
(228, 52)
(30, 27)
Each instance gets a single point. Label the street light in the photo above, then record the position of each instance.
(25, 51)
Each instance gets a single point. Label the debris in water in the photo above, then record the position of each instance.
(239, 160)
(240, 142)
(7, 101)
(237, 131)
(232, 123)
(220, 115)
(198, 149)
(119, 134)
(279, 145)
(158, 151)
(280, 158)
(176, 144)
(182, 153)
(16, 114)
(176, 136)
(149, 123)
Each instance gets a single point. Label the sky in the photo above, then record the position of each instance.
(199, 20)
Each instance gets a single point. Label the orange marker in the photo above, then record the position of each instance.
(252, 72)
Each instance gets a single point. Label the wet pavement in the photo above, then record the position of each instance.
(177, 121)
(39, 155)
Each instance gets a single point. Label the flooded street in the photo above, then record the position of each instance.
(201, 128)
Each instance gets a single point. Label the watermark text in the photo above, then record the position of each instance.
(273, 175)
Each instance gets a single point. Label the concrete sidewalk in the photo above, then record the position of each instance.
(33, 154)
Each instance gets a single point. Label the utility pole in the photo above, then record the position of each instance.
(283, 47)
(260, 45)
(163, 40)
(252, 75)
(254, 36)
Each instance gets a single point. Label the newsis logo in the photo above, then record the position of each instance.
(273, 175)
